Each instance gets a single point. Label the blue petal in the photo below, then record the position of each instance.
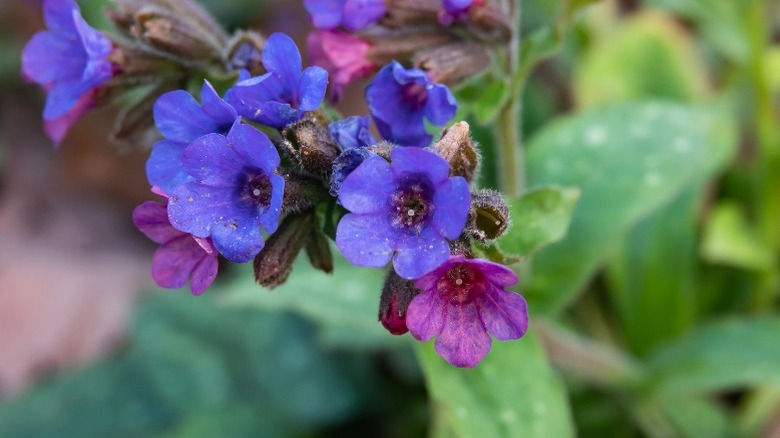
(270, 218)
(352, 132)
(368, 188)
(164, 168)
(441, 105)
(311, 89)
(239, 242)
(359, 14)
(215, 107)
(419, 161)
(396, 119)
(62, 97)
(58, 15)
(325, 14)
(366, 239)
(277, 114)
(344, 164)
(212, 161)
(249, 96)
(179, 118)
(451, 207)
(282, 58)
(254, 147)
(193, 207)
(417, 255)
(95, 44)
(47, 58)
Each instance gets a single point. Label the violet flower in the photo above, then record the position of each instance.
(401, 99)
(181, 120)
(70, 60)
(344, 56)
(404, 211)
(462, 302)
(354, 15)
(181, 257)
(233, 193)
(455, 10)
(286, 92)
(352, 135)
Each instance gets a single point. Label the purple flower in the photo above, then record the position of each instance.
(352, 135)
(354, 15)
(456, 10)
(404, 211)
(70, 60)
(401, 99)
(181, 257)
(286, 92)
(463, 301)
(343, 55)
(233, 193)
(181, 120)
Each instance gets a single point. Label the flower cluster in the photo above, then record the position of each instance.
(246, 168)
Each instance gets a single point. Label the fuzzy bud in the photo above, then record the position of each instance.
(397, 293)
(488, 217)
(309, 143)
(301, 193)
(457, 148)
(274, 263)
(245, 51)
(452, 63)
(382, 149)
(318, 250)
(387, 45)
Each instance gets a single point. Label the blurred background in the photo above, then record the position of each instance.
(89, 347)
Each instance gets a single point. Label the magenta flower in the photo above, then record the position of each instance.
(70, 60)
(405, 211)
(354, 15)
(181, 257)
(342, 55)
(462, 302)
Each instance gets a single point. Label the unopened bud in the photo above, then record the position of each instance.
(452, 63)
(388, 45)
(457, 148)
(403, 13)
(382, 149)
(301, 193)
(135, 123)
(310, 145)
(245, 51)
(462, 246)
(488, 216)
(397, 293)
(492, 21)
(318, 250)
(274, 263)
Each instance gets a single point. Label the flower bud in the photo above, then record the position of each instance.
(274, 263)
(245, 51)
(491, 21)
(452, 63)
(488, 216)
(387, 45)
(403, 13)
(318, 250)
(301, 193)
(457, 148)
(310, 145)
(397, 293)
(382, 149)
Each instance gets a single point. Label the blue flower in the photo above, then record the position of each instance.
(233, 193)
(405, 210)
(181, 120)
(401, 99)
(286, 92)
(70, 60)
(354, 15)
(352, 135)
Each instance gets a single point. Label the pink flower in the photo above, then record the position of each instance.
(462, 303)
(344, 56)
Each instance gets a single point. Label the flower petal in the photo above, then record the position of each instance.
(239, 241)
(325, 14)
(164, 168)
(425, 315)
(179, 117)
(499, 275)
(281, 56)
(441, 105)
(204, 273)
(359, 14)
(367, 188)
(58, 15)
(451, 200)
(269, 219)
(463, 342)
(193, 207)
(173, 262)
(365, 239)
(311, 89)
(504, 313)
(419, 161)
(48, 57)
(213, 161)
(417, 255)
(254, 147)
(215, 107)
(152, 219)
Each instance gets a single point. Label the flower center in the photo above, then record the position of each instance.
(412, 207)
(458, 284)
(416, 94)
(259, 190)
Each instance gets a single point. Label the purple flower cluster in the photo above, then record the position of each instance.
(354, 15)
(70, 60)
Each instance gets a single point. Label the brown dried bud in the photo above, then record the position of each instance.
(492, 21)
(401, 44)
(318, 250)
(488, 216)
(309, 143)
(245, 51)
(457, 148)
(274, 263)
(403, 13)
(452, 63)
(301, 193)
(397, 293)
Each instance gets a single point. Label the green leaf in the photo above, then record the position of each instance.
(512, 392)
(484, 96)
(628, 161)
(722, 356)
(730, 240)
(348, 299)
(539, 217)
(696, 417)
(648, 55)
